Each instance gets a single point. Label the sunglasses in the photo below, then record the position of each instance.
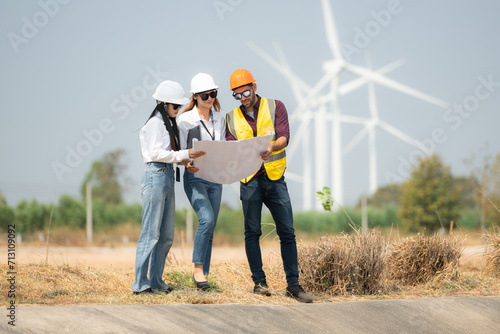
(239, 96)
(205, 96)
(176, 106)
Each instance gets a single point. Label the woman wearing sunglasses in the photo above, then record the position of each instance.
(201, 120)
(160, 149)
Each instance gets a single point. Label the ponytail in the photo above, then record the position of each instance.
(170, 125)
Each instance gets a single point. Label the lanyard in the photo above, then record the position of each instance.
(210, 134)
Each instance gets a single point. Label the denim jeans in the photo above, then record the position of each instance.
(157, 229)
(205, 198)
(274, 194)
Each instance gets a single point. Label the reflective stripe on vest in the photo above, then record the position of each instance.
(266, 124)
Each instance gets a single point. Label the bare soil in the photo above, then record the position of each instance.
(124, 257)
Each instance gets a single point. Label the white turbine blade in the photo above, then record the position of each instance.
(281, 55)
(295, 79)
(283, 70)
(325, 80)
(331, 30)
(356, 139)
(403, 136)
(296, 84)
(391, 67)
(359, 82)
(372, 75)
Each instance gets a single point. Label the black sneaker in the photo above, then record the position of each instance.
(298, 293)
(147, 291)
(261, 288)
(165, 292)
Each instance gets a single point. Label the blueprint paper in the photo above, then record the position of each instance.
(227, 162)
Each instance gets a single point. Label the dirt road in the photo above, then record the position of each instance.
(124, 257)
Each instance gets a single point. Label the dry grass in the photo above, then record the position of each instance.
(341, 268)
(39, 284)
(64, 285)
(492, 254)
(344, 264)
(420, 259)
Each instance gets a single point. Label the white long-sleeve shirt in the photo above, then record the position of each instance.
(155, 143)
(192, 118)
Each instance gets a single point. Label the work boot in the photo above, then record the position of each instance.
(298, 293)
(261, 288)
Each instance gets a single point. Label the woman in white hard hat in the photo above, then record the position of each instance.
(201, 120)
(160, 149)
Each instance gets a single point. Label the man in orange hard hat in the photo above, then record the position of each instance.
(258, 116)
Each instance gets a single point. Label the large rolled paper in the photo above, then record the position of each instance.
(227, 162)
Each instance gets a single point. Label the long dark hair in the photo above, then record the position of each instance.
(170, 124)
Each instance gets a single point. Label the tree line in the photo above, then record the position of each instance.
(428, 201)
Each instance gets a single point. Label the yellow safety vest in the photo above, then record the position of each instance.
(266, 124)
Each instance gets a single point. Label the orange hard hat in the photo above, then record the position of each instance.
(240, 77)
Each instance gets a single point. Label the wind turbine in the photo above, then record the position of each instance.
(333, 69)
(301, 136)
(370, 130)
(311, 98)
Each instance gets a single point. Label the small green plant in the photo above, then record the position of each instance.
(326, 198)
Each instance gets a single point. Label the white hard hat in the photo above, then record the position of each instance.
(170, 92)
(202, 82)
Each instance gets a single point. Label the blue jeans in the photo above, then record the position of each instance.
(274, 194)
(205, 198)
(157, 229)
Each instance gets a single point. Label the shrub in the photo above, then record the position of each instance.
(31, 216)
(382, 217)
(230, 226)
(426, 203)
(469, 219)
(106, 215)
(323, 222)
(492, 254)
(70, 212)
(344, 263)
(421, 258)
(6, 215)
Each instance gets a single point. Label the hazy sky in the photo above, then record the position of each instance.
(77, 79)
